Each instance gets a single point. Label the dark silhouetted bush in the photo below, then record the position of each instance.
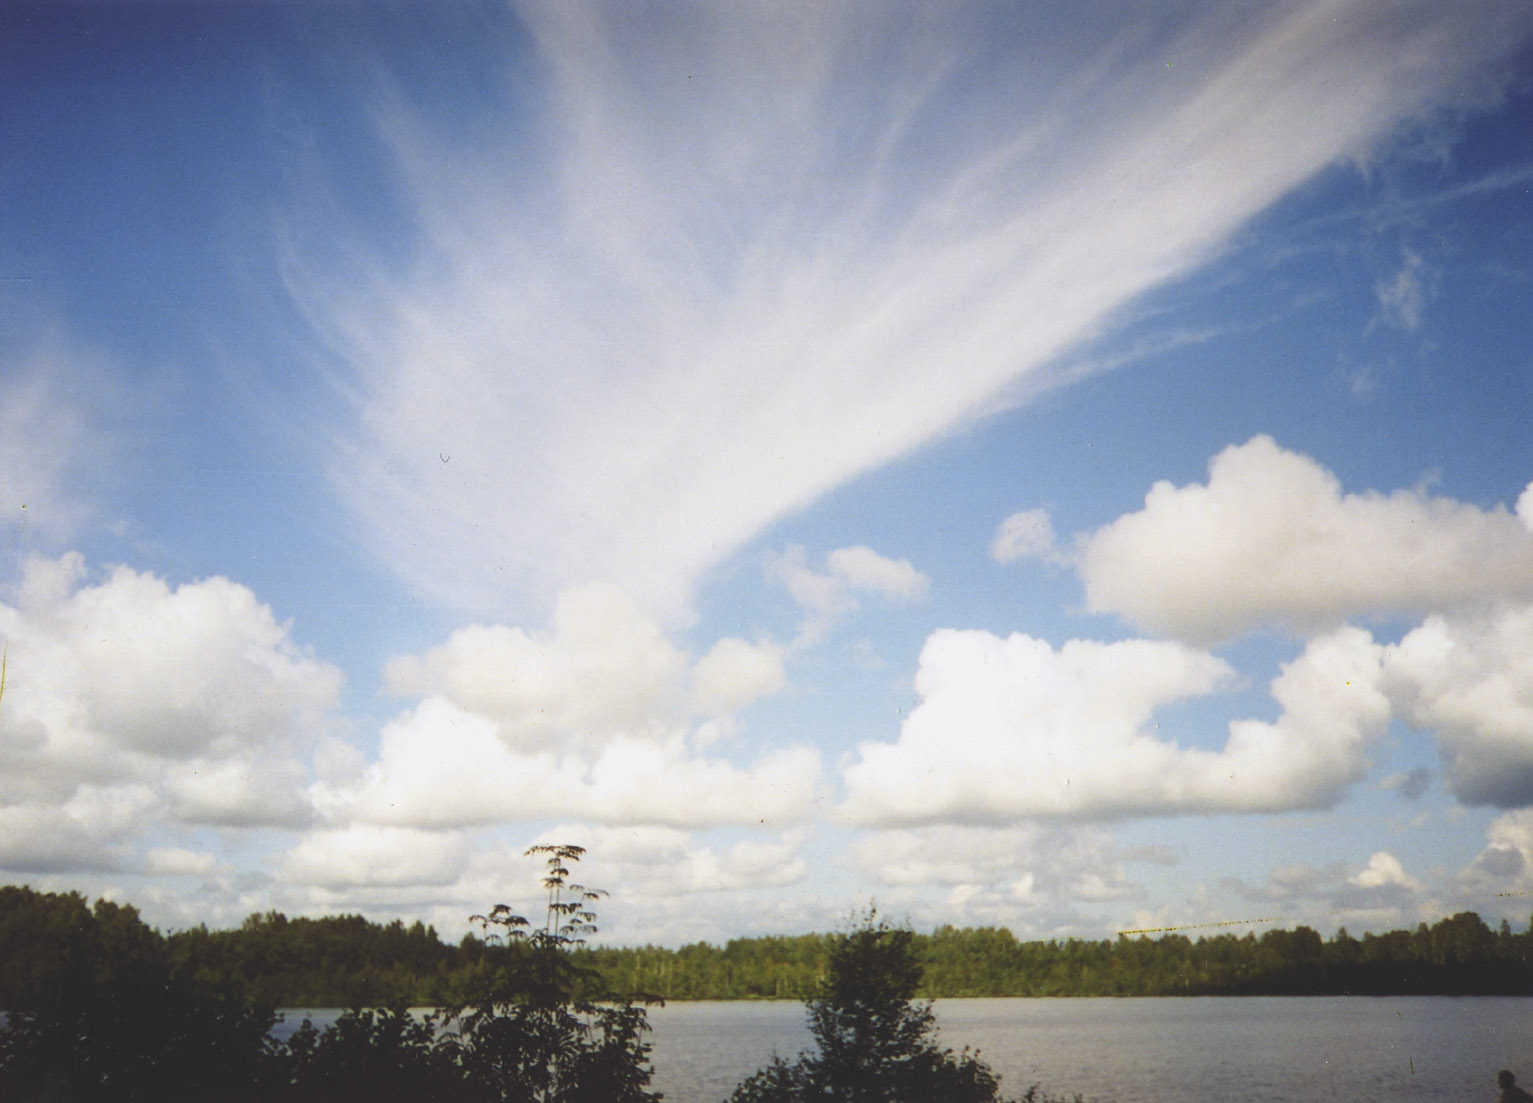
(876, 1044)
(99, 1010)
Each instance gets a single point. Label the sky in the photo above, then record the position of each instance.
(1060, 466)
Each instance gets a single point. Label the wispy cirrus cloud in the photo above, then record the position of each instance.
(49, 480)
(739, 256)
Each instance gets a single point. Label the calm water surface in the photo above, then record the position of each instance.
(1357, 1050)
(1156, 1050)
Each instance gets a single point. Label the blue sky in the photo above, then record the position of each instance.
(1057, 466)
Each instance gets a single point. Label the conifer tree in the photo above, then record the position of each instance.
(876, 1044)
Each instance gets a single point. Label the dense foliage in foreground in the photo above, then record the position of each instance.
(102, 1009)
(109, 1013)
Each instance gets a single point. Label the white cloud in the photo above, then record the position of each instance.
(671, 887)
(250, 789)
(1271, 538)
(1403, 297)
(57, 444)
(376, 856)
(734, 673)
(87, 831)
(1025, 535)
(439, 766)
(605, 669)
(1009, 729)
(1506, 863)
(191, 703)
(636, 783)
(663, 885)
(173, 861)
(832, 593)
(647, 863)
(1384, 871)
(1029, 878)
(1380, 895)
(1469, 681)
(862, 568)
(601, 717)
(763, 252)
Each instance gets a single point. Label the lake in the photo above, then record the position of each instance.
(1216, 1050)
(1282, 1050)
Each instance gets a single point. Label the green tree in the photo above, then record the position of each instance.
(530, 1024)
(875, 1043)
(371, 1056)
(100, 1010)
(535, 1025)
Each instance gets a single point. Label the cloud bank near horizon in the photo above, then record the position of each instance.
(118, 756)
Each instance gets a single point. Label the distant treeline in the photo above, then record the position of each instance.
(349, 961)
(1456, 956)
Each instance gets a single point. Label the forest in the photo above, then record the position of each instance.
(101, 1008)
(349, 961)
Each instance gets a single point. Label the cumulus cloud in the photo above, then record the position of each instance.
(364, 856)
(670, 886)
(1028, 877)
(1506, 863)
(246, 790)
(601, 716)
(1024, 861)
(1025, 535)
(734, 673)
(439, 766)
(1384, 871)
(761, 251)
(862, 568)
(1271, 538)
(1012, 728)
(828, 594)
(173, 861)
(1469, 681)
(604, 669)
(87, 831)
(184, 704)
(1379, 895)
(648, 862)
(664, 885)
